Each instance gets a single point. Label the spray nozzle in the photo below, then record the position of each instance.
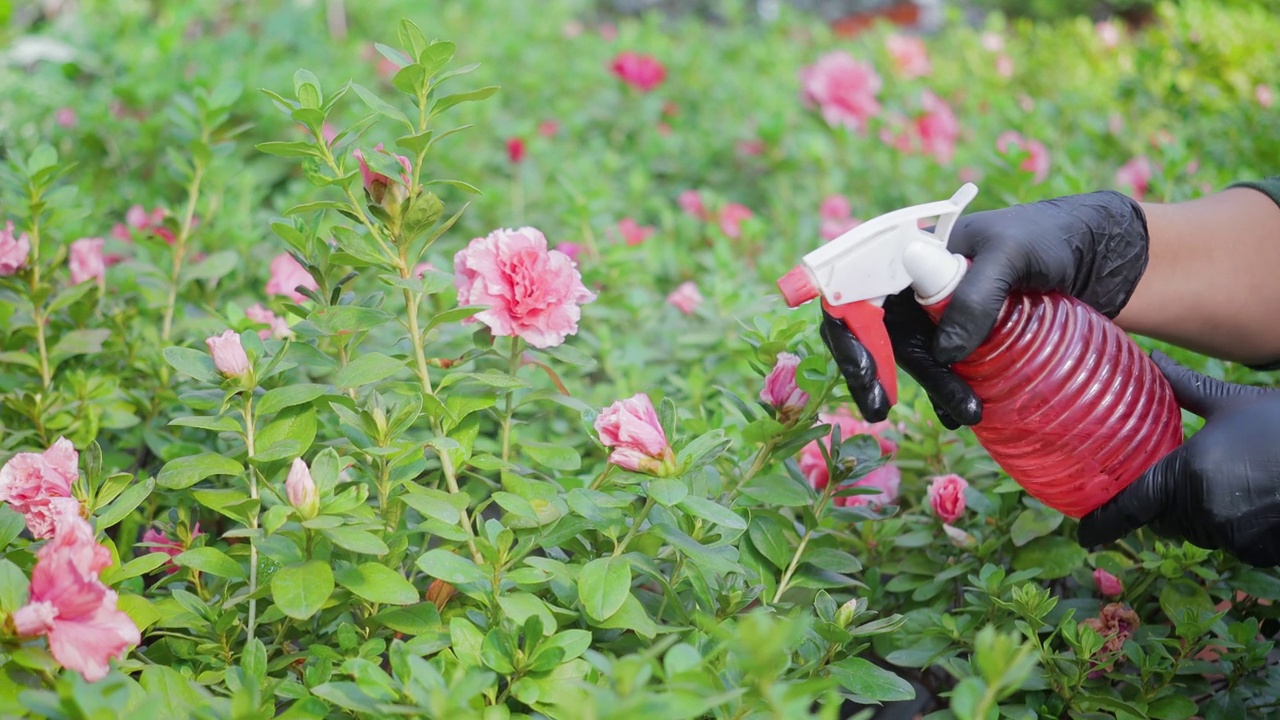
(857, 271)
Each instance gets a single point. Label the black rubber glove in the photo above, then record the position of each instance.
(1221, 489)
(1091, 246)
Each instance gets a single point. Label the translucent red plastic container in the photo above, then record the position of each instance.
(1073, 410)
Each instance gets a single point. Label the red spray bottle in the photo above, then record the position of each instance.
(1073, 410)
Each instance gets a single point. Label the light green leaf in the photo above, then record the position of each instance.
(301, 590)
(13, 587)
(356, 540)
(347, 319)
(184, 472)
(80, 342)
(713, 512)
(288, 396)
(603, 585)
(125, 503)
(1056, 556)
(556, 457)
(451, 568)
(632, 616)
(379, 105)
(378, 583)
(667, 491)
(412, 620)
(193, 363)
(368, 368)
(1033, 523)
(288, 436)
(211, 561)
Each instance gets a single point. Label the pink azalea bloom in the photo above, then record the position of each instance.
(631, 428)
(608, 32)
(14, 251)
(1004, 66)
(642, 72)
(515, 150)
(158, 542)
(886, 478)
(421, 269)
(937, 128)
(732, 216)
(633, 233)
(1136, 176)
(969, 174)
(228, 354)
(780, 389)
(690, 201)
(1262, 93)
(120, 232)
(750, 148)
(1107, 583)
(843, 89)
(946, 497)
(1037, 161)
(992, 41)
(277, 327)
(909, 55)
(836, 220)
(1193, 166)
(548, 128)
(38, 486)
(378, 185)
(686, 297)
(1108, 33)
(528, 291)
(139, 219)
(572, 249)
(71, 607)
(86, 260)
(301, 489)
(328, 133)
(66, 117)
(287, 274)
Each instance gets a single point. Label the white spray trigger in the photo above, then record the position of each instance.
(865, 263)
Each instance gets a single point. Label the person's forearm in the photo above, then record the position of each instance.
(1212, 283)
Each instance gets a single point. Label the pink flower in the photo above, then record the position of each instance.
(420, 270)
(780, 389)
(515, 150)
(937, 128)
(38, 486)
(120, 232)
(139, 219)
(1107, 583)
(632, 429)
(642, 72)
(886, 478)
(664, 129)
(690, 201)
(287, 274)
(1004, 66)
(1108, 33)
(13, 250)
(1136, 176)
(86, 260)
(548, 128)
(301, 489)
(572, 249)
(1037, 160)
(71, 607)
(843, 89)
(732, 216)
(634, 233)
(750, 148)
(992, 41)
(946, 497)
(909, 55)
(1116, 624)
(66, 117)
(228, 354)
(686, 297)
(528, 291)
(1262, 93)
(1115, 123)
(377, 185)
(277, 327)
(158, 542)
(328, 133)
(969, 174)
(608, 32)
(834, 213)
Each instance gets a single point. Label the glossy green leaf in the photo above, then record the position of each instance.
(301, 590)
(603, 585)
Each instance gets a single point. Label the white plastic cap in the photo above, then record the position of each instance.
(934, 271)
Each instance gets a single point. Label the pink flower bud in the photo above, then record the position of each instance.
(65, 117)
(376, 184)
(515, 150)
(686, 298)
(421, 269)
(642, 72)
(632, 429)
(13, 250)
(780, 389)
(228, 354)
(86, 260)
(548, 128)
(1107, 583)
(946, 497)
(633, 233)
(301, 490)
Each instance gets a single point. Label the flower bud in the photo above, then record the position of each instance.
(228, 354)
(301, 490)
(780, 389)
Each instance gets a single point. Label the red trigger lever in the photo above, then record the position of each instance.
(866, 321)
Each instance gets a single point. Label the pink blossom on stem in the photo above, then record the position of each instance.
(753, 147)
(515, 150)
(301, 490)
(1004, 66)
(14, 251)
(527, 290)
(420, 270)
(379, 186)
(86, 261)
(287, 274)
(886, 478)
(548, 128)
(277, 327)
(633, 233)
(228, 354)
(690, 201)
(1108, 584)
(65, 117)
(835, 217)
(1037, 160)
(780, 389)
(640, 71)
(155, 541)
(1262, 93)
(1135, 175)
(937, 128)
(686, 297)
(969, 174)
(1108, 33)
(909, 55)
(732, 215)
(843, 89)
(631, 429)
(946, 497)
(38, 486)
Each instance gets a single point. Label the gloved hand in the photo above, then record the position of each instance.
(1219, 490)
(1091, 246)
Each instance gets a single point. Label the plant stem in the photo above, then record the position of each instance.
(37, 310)
(253, 517)
(451, 480)
(756, 465)
(513, 366)
(180, 250)
(791, 568)
(635, 527)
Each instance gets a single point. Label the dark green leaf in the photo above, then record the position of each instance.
(1033, 523)
(1057, 556)
(869, 682)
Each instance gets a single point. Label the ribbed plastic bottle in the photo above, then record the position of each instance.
(1073, 410)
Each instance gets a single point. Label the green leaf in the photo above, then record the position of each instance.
(667, 491)
(378, 583)
(11, 525)
(288, 436)
(217, 423)
(870, 683)
(832, 560)
(140, 565)
(125, 503)
(13, 587)
(780, 492)
(213, 267)
(554, 456)
(368, 368)
(449, 101)
(80, 342)
(254, 659)
(379, 105)
(632, 616)
(288, 396)
(713, 512)
(287, 149)
(1172, 707)
(603, 585)
(1056, 556)
(451, 568)
(317, 206)
(211, 561)
(416, 619)
(463, 186)
(1033, 523)
(432, 504)
(235, 503)
(347, 319)
(301, 590)
(520, 606)
(1180, 594)
(356, 540)
(193, 363)
(184, 472)
(770, 538)
(346, 695)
